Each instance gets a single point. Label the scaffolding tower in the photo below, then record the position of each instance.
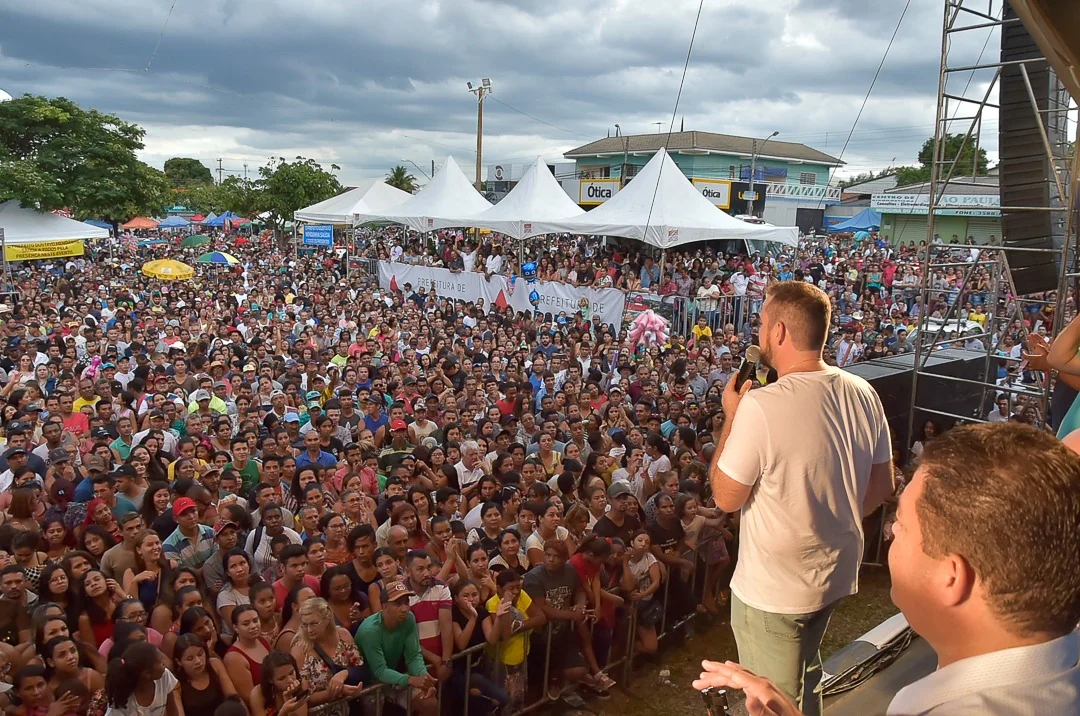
(955, 107)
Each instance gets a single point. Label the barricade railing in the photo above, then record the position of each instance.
(626, 618)
(363, 266)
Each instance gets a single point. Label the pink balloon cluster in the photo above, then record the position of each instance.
(648, 329)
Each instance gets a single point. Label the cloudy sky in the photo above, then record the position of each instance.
(369, 83)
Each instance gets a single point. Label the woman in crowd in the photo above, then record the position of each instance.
(244, 658)
(282, 692)
(204, 682)
(327, 656)
(290, 616)
(98, 598)
(151, 569)
(61, 658)
(138, 683)
(337, 588)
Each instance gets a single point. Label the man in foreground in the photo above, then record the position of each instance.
(999, 606)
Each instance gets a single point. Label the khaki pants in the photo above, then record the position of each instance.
(783, 648)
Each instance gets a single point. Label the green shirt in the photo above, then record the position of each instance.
(249, 476)
(387, 651)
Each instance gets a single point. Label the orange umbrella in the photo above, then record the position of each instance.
(140, 222)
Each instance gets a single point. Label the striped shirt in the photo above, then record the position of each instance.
(426, 606)
(190, 553)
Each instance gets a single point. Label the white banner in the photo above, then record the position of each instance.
(554, 298)
(987, 205)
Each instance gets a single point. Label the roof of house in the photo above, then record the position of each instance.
(679, 141)
(872, 186)
(984, 185)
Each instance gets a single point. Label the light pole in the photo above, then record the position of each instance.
(481, 91)
(625, 155)
(753, 169)
(410, 161)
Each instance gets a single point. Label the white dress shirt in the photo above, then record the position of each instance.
(1027, 680)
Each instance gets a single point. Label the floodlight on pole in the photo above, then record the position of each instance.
(480, 91)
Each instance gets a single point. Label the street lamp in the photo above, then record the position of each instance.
(481, 91)
(410, 161)
(753, 169)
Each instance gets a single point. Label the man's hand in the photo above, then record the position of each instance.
(763, 698)
(732, 397)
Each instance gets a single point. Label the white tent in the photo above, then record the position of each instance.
(28, 226)
(372, 197)
(661, 207)
(449, 199)
(537, 197)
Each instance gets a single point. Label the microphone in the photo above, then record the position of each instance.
(749, 366)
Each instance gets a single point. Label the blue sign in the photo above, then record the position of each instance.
(319, 235)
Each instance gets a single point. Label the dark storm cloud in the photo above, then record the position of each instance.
(367, 82)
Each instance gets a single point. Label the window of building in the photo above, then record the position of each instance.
(807, 178)
(731, 171)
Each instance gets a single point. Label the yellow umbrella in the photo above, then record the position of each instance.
(168, 270)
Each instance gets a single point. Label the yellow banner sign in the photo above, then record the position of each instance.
(44, 250)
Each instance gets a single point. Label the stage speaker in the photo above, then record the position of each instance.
(891, 380)
(1026, 174)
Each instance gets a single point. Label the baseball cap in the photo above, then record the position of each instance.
(618, 489)
(221, 525)
(394, 591)
(276, 394)
(201, 394)
(12, 452)
(221, 384)
(183, 504)
(313, 395)
(250, 366)
(291, 418)
(59, 455)
(398, 425)
(34, 407)
(93, 463)
(97, 433)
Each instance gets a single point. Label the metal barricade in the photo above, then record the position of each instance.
(734, 311)
(627, 619)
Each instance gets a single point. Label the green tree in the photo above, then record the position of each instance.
(185, 172)
(964, 165)
(285, 187)
(232, 194)
(400, 178)
(55, 154)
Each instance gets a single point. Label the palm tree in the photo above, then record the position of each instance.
(400, 178)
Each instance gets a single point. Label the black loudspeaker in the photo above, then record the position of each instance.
(891, 379)
(1026, 173)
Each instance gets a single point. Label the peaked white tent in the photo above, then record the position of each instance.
(537, 197)
(28, 226)
(661, 207)
(449, 199)
(371, 197)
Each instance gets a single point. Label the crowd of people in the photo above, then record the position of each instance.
(276, 484)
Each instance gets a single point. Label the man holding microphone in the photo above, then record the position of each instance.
(804, 459)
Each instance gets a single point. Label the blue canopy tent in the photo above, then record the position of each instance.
(220, 220)
(99, 224)
(174, 222)
(153, 242)
(865, 220)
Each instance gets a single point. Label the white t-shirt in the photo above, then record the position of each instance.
(801, 530)
(640, 570)
(162, 688)
(535, 541)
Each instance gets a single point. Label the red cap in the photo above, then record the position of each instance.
(398, 425)
(182, 505)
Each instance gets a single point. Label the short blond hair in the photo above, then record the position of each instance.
(805, 311)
